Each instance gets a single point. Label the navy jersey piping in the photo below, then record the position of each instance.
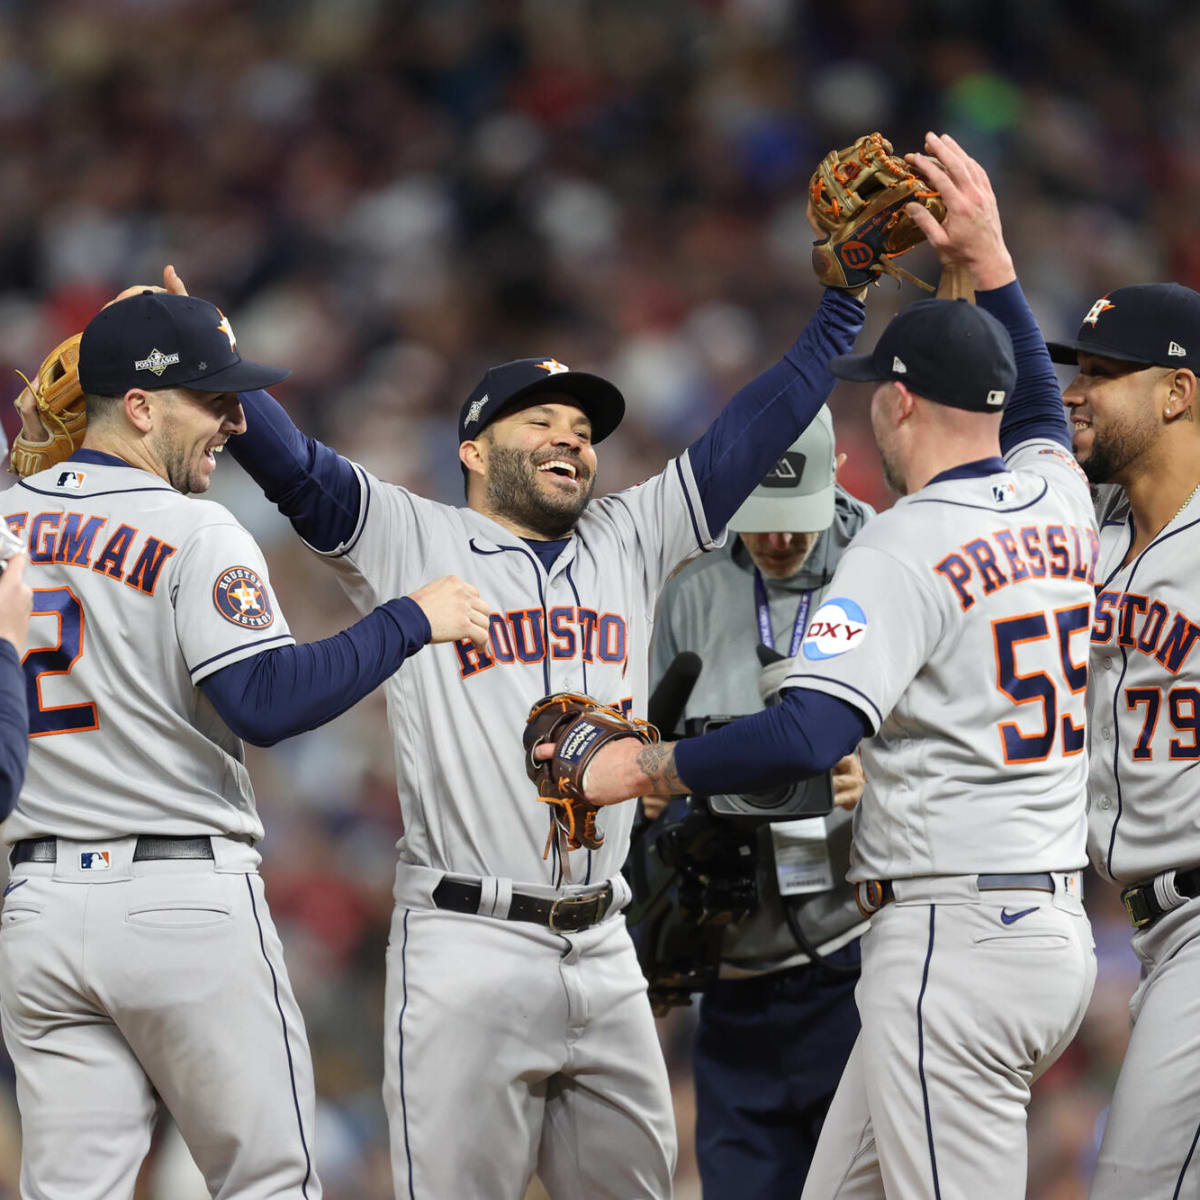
(988, 507)
(286, 1042)
(850, 688)
(58, 495)
(937, 1189)
(1137, 562)
(691, 509)
(237, 650)
(364, 499)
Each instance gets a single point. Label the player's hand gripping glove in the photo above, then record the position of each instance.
(858, 196)
(577, 726)
(56, 399)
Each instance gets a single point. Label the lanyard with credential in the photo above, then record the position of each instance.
(765, 633)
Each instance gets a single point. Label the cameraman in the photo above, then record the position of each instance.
(776, 1028)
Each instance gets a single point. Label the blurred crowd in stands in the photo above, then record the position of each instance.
(387, 196)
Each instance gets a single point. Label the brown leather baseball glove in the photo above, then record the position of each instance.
(857, 197)
(577, 726)
(58, 401)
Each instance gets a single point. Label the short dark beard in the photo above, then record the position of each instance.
(512, 492)
(1109, 458)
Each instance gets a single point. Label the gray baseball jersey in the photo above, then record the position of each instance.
(458, 713)
(139, 594)
(128, 976)
(973, 569)
(1144, 698)
(709, 608)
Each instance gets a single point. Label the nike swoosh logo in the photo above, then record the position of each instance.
(1008, 918)
(16, 883)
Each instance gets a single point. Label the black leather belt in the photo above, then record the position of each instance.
(1142, 905)
(45, 849)
(567, 914)
(873, 894)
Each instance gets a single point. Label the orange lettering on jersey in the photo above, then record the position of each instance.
(501, 640)
(472, 660)
(985, 564)
(144, 575)
(955, 570)
(75, 544)
(112, 557)
(588, 619)
(41, 536)
(16, 523)
(610, 642)
(1138, 622)
(527, 636)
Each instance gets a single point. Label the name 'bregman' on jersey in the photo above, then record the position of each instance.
(958, 624)
(139, 593)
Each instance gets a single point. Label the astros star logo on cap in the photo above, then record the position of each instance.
(1093, 314)
(553, 366)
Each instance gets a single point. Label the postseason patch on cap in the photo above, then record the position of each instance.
(241, 598)
(839, 626)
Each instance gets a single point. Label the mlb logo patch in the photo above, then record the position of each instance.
(94, 860)
(1003, 493)
(71, 479)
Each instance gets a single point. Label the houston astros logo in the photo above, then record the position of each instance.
(227, 330)
(241, 598)
(1093, 313)
(553, 366)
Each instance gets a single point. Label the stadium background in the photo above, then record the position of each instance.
(389, 196)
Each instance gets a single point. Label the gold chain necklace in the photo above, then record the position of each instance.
(1191, 496)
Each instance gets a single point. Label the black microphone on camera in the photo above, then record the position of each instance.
(674, 689)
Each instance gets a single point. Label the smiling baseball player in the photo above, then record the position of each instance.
(518, 1035)
(972, 595)
(137, 953)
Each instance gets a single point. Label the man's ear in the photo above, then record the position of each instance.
(1181, 396)
(139, 410)
(906, 401)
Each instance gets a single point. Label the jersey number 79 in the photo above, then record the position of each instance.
(1065, 678)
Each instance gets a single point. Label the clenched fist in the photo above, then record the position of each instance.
(454, 610)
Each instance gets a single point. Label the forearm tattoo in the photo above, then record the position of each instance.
(657, 763)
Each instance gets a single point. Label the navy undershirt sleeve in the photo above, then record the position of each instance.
(312, 485)
(1035, 409)
(804, 735)
(289, 689)
(14, 727)
(770, 412)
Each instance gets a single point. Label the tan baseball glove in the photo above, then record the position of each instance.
(57, 401)
(577, 726)
(857, 198)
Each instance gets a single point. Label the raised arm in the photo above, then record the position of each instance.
(971, 237)
(313, 486)
(754, 429)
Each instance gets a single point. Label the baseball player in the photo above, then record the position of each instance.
(1133, 409)
(518, 1035)
(137, 953)
(776, 1029)
(956, 638)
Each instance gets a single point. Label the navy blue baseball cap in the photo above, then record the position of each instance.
(1155, 324)
(524, 378)
(157, 340)
(945, 350)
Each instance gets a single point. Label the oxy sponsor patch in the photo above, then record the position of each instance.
(840, 625)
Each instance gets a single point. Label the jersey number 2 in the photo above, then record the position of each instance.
(57, 660)
(1038, 686)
